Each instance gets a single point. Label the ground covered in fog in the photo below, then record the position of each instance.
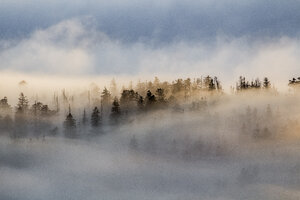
(216, 154)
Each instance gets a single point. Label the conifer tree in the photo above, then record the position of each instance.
(115, 111)
(151, 99)
(95, 118)
(70, 125)
(105, 97)
(22, 105)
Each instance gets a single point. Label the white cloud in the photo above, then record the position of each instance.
(74, 47)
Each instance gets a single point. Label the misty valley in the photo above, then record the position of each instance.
(184, 139)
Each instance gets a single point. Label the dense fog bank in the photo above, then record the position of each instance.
(178, 143)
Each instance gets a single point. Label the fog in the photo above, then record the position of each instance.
(210, 145)
(148, 100)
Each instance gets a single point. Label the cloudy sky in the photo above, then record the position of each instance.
(225, 38)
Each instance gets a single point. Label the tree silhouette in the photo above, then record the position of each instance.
(95, 118)
(5, 108)
(128, 100)
(115, 111)
(70, 125)
(140, 103)
(266, 83)
(105, 97)
(22, 105)
(161, 97)
(150, 100)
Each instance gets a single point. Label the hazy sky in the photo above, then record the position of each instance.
(161, 21)
(225, 38)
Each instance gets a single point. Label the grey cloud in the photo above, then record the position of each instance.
(156, 21)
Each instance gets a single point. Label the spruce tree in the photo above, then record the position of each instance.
(95, 118)
(22, 105)
(115, 111)
(105, 97)
(70, 125)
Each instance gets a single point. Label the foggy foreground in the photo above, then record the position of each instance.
(238, 146)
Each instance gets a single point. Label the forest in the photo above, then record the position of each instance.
(190, 137)
(91, 112)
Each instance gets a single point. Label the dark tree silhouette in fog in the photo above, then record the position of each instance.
(70, 125)
(115, 111)
(95, 118)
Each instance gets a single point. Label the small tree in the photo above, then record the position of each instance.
(266, 83)
(140, 103)
(22, 105)
(95, 118)
(70, 125)
(5, 108)
(160, 93)
(151, 99)
(105, 97)
(115, 111)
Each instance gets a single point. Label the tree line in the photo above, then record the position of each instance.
(108, 107)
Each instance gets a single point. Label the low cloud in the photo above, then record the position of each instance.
(76, 47)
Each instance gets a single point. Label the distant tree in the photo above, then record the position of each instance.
(115, 111)
(4, 103)
(45, 111)
(70, 125)
(141, 103)
(36, 108)
(128, 100)
(208, 83)
(217, 83)
(161, 97)
(150, 99)
(187, 85)
(22, 105)
(266, 83)
(95, 118)
(21, 119)
(105, 97)
(36, 111)
(294, 81)
(177, 86)
(244, 85)
(160, 93)
(5, 108)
